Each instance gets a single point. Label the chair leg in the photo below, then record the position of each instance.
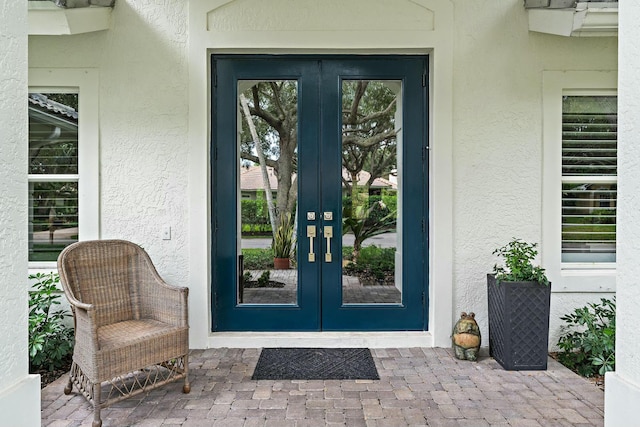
(97, 422)
(69, 386)
(186, 388)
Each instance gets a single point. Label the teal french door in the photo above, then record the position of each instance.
(331, 153)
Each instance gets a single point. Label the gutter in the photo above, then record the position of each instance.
(585, 19)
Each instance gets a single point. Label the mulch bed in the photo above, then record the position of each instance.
(256, 284)
(369, 279)
(598, 380)
(47, 377)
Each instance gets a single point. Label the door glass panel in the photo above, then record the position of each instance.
(371, 191)
(267, 194)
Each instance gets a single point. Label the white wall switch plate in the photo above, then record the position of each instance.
(166, 233)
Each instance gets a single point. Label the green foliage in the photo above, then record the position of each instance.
(50, 340)
(69, 99)
(604, 216)
(246, 277)
(587, 342)
(283, 238)
(368, 128)
(263, 280)
(273, 99)
(382, 259)
(390, 200)
(365, 219)
(373, 262)
(347, 252)
(518, 258)
(257, 259)
(55, 206)
(46, 251)
(255, 217)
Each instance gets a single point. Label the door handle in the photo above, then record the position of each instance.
(328, 234)
(311, 234)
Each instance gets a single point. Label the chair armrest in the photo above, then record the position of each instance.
(164, 302)
(85, 328)
(85, 323)
(80, 305)
(85, 333)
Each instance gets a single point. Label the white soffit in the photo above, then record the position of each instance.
(46, 19)
(592, 19)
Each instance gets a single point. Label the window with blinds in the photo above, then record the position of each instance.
(589, 178)
(53, 174)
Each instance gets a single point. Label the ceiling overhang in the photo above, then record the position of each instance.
(47, 19)
(585, 19)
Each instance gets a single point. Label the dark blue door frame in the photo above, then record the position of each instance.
(319, 304)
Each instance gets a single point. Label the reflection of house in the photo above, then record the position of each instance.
(50, 123)
(591, 195)
(251, 181)
(376, 186)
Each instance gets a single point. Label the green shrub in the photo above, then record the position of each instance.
(373, 260)
(254, 217)
(375, 257)
(263, 280)
(246, 277)
(257, 259)
(347, 252)
(587, 342)
(50, 340)
(391, 201)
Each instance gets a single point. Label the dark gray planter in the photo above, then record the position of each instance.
(518, 324)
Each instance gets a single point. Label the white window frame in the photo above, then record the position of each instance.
(567, 277)
(83, 81)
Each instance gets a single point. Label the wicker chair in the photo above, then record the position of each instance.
(131, 328)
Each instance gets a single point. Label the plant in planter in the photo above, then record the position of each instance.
(283, 243)
(519, 294)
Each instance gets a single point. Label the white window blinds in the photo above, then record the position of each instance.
(589, 178)
(53, 174)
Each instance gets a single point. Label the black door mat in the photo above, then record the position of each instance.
(315, 364)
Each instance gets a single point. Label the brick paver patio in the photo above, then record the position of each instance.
(417, 387)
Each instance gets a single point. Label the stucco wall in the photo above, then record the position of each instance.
(13, 134)
(497, 134)
(622, 393)
(14, 379)
(143, 81)
(628, 342)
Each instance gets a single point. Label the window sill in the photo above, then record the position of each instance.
(578, 278)
(46, 19)
(42, 266)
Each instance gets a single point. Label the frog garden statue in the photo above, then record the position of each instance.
(466, 337)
